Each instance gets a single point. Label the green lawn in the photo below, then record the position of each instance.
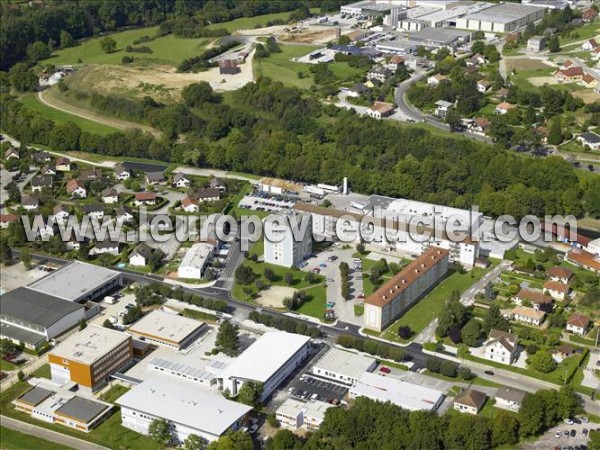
(522, 76)
(31, 102)
(15, 440)
(279, 67)
(7, 365)
(429, 307)
(166, 50)
(114, 393)
(315, 307)
(585, 32)
(249, 23)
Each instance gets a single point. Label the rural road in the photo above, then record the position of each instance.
(85, 114)
(49, 435)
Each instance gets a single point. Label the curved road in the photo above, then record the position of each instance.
(85, 114)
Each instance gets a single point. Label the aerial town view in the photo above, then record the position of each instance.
(300, 224)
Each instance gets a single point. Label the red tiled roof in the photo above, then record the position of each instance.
(573, 71)
(578, 320)
(560, 272)
(382, 107)
(482, 122)
(556, 286)
(73, 185)
(584, 258)
(505, 105)
(145, 196)
(8, 218)
(188, 201)
(472, 398)
(407, 276)
(534, 296)
(587, 78)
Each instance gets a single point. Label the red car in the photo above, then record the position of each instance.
(384, 369)
(316, 270)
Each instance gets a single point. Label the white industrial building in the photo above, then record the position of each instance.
(187, 408)
(294, 414)
(195, 261)
(412, 397)
(167, 329)
(343, 366)
(78, 282)
(268, 361)
(502, 18)
(293, 244)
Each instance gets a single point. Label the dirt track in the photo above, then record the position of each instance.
(85, 114)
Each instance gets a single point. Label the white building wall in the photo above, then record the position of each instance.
(289, 251)
(69, 321)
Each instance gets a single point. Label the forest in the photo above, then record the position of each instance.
(273, 130)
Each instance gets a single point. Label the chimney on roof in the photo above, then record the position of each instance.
(416, 270)
(391, 291)
(384, 297)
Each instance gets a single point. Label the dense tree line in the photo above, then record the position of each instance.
(368, 424)
(202, 62)
(284, 324)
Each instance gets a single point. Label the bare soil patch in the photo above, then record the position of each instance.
(527, 64)
(309, 36)
(274, 296)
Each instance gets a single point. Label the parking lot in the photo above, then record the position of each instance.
(308, 387)
(550, 439)
(263, 202)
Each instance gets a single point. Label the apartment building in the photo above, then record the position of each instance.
(399, 293)
(292, 246)
(89, 357)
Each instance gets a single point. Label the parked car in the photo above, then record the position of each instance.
(384, 369)
(566, 433)
(323, 265)
(568, 421)
(557, 434)
(489, 372)
(573, 433)
(584, 432)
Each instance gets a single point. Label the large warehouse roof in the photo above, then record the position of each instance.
(166, 327)
(266, 356)
(345, 362)
(35, 308)
(406, 395)
(74, 281)
(90, 344)
(504, 13)
(184, 404)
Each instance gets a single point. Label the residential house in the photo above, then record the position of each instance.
(570, 75)
(470, 401)
(476, 60)
(589, 15)
(30, 202)
(110, 195)
(526, 315)
(508, 398)
(589, 81)
(596, 54)
(76, 189)
(587, 260)
(578, 323)
(7, 219)
(502, 93)
(72, 244)
(217, 183)
(39, 183)
(61, 213)
(560, 274)
(155, 178)
(207, 195)
(124, 214)
(536, 43)
(543, 132)
(122, 172)
(357, 90)
(591, 139)
(395, 62)
(556, 289)
(63, 164)
(483, 86)
(590, 44)
(442, 107)
(380, 109)
(140, 255)
(562, 353)
(480, 125)
(228, 67)
(106, 246)
(181, 181)
(504, 108)
(145, 198)
(41, 157)
(380, 73)
(594, 246)
(470, 70)
(94, 211)
(190, 205)
(48, 169)
(90, 175)
(436, 79)
(501, 347)
(538, 300)
(11, 153)
(567, 64)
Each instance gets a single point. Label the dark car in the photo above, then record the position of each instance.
(573, 433)
(489, 372)
(584, 432)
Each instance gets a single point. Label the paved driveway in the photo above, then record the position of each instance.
(548, 440)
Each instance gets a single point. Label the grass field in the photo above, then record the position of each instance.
(279, 67)
(15, 440)
(428, 308)
(31, 102)
(249, 23)
(585, 32)
(166, 50)
(7, 365)
(315, 307)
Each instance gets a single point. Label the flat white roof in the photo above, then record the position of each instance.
(504, 13)
(345, 362)
(165, 326)
(406, 395)
(292, 407)
(90, 344)
(197, 255)
(74, 281)
(185, 404)
(265, 356)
